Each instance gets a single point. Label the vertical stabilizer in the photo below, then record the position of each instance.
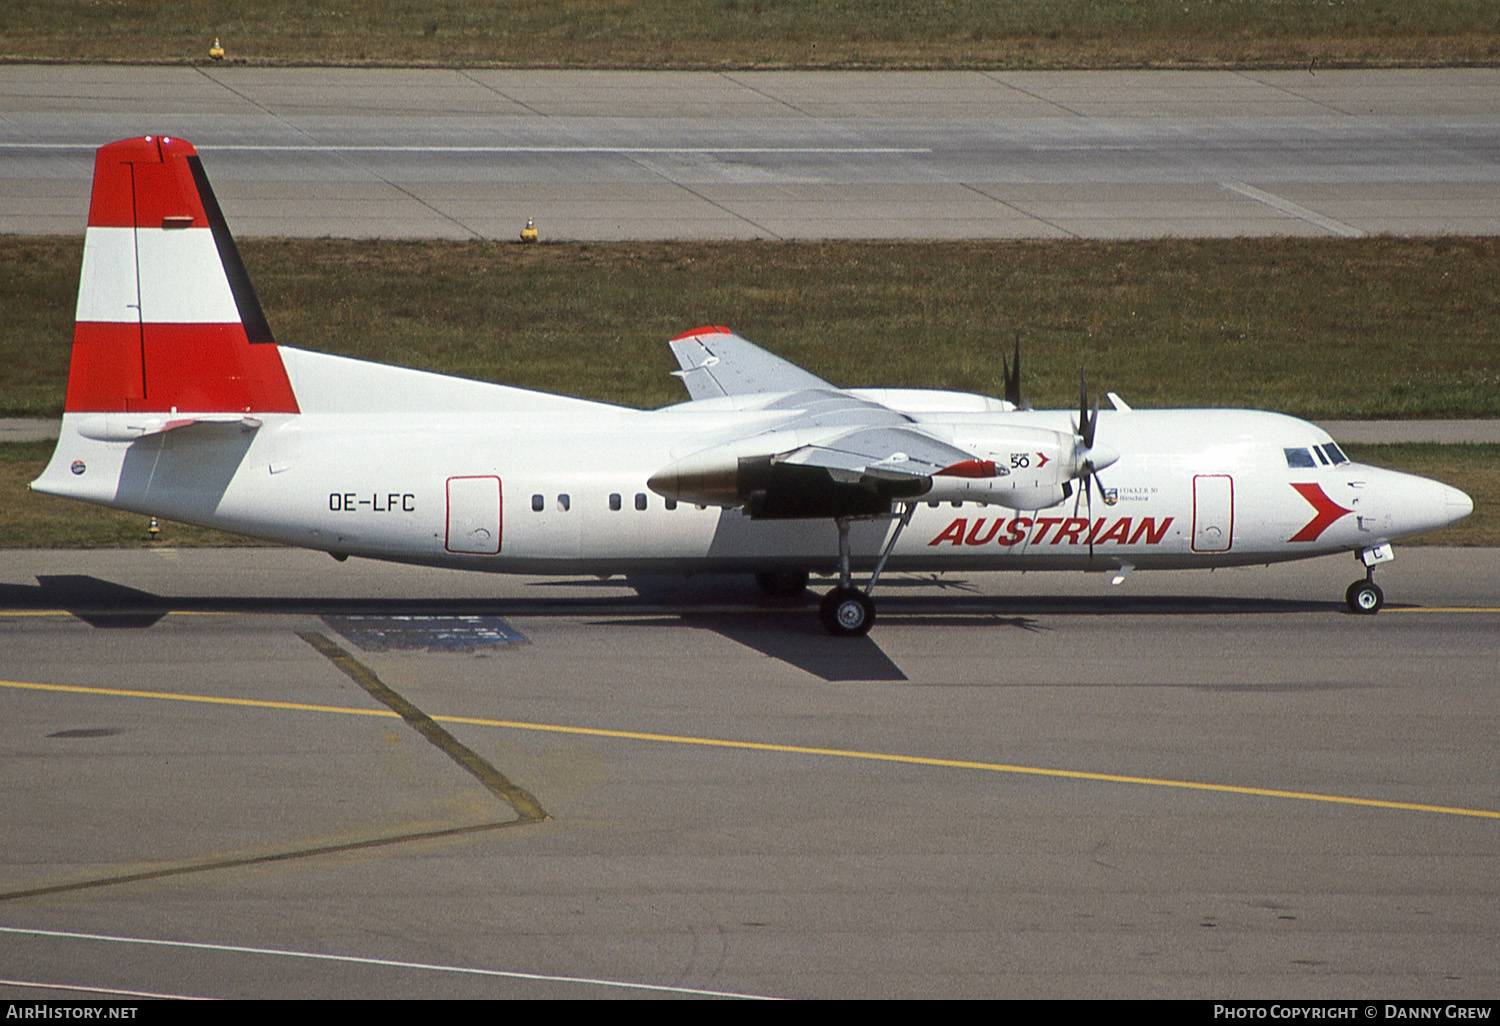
(167, 319)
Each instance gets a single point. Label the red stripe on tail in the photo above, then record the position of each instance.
(145, 182)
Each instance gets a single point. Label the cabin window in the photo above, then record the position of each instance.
(1335, 453)
(564, 503)
(537, 503)
(1296, 458)
(671, 504)
(614, 501)
(640, 500)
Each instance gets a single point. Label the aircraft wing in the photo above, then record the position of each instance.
(716, 362)
(891, 453)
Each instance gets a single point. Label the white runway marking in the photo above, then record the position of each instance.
(1296, 210)
(101, 990)
(387, 962)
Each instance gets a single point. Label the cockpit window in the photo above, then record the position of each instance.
(1298, 458)
(1335, 453)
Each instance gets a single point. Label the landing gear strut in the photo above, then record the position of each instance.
(846, 611)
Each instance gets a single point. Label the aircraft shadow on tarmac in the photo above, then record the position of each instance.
(797, 641)
(94, 599)
(787, 630)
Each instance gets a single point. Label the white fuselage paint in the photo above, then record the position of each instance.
(420, 482)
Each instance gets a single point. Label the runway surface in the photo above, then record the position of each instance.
(229, 774)
(636, 155)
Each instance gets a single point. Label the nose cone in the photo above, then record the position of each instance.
(1456, 504)
(1421, 504)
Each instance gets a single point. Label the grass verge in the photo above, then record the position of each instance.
(29, 520)
(1319, 328)
(759, 33)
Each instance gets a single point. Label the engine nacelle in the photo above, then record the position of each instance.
(770, 489)
(998, 491)
(1018, 467)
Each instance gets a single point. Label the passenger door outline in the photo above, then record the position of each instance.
(476, 515)
(1213, 512)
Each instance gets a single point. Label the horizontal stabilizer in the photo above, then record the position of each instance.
(126, 427)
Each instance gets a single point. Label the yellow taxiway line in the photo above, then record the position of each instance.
(761, 746)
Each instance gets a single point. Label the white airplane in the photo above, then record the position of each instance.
(181, 404)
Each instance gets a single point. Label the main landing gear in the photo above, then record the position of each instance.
(846, 611)
(1365, 597)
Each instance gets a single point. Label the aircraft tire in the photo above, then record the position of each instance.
(782, 584)
(1364, 597)
(847, 613)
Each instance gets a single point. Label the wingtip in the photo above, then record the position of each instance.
(710, 329)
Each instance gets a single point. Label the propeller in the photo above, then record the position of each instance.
(1088, 458)
(1013, 374)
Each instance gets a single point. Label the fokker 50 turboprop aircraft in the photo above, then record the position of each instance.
(181, 404)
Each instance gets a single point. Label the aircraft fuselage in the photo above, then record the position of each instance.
(555, 492)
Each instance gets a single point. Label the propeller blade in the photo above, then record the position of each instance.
(1087, 420)
(1088, 483)
(1013, 375)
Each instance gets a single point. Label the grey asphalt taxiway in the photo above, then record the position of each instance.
(636, 155)
(263, 773)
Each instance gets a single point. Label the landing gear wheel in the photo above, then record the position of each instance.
(781, 584)
(847, 612)
(1364, 597)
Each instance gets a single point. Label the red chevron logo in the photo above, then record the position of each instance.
(1328, 512)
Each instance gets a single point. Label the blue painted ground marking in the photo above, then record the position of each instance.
(425, 633)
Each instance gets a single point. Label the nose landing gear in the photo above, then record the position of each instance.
(1365, 597)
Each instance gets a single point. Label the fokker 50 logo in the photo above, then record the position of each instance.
(1328, 512)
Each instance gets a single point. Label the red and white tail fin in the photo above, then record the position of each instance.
(167, 319)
